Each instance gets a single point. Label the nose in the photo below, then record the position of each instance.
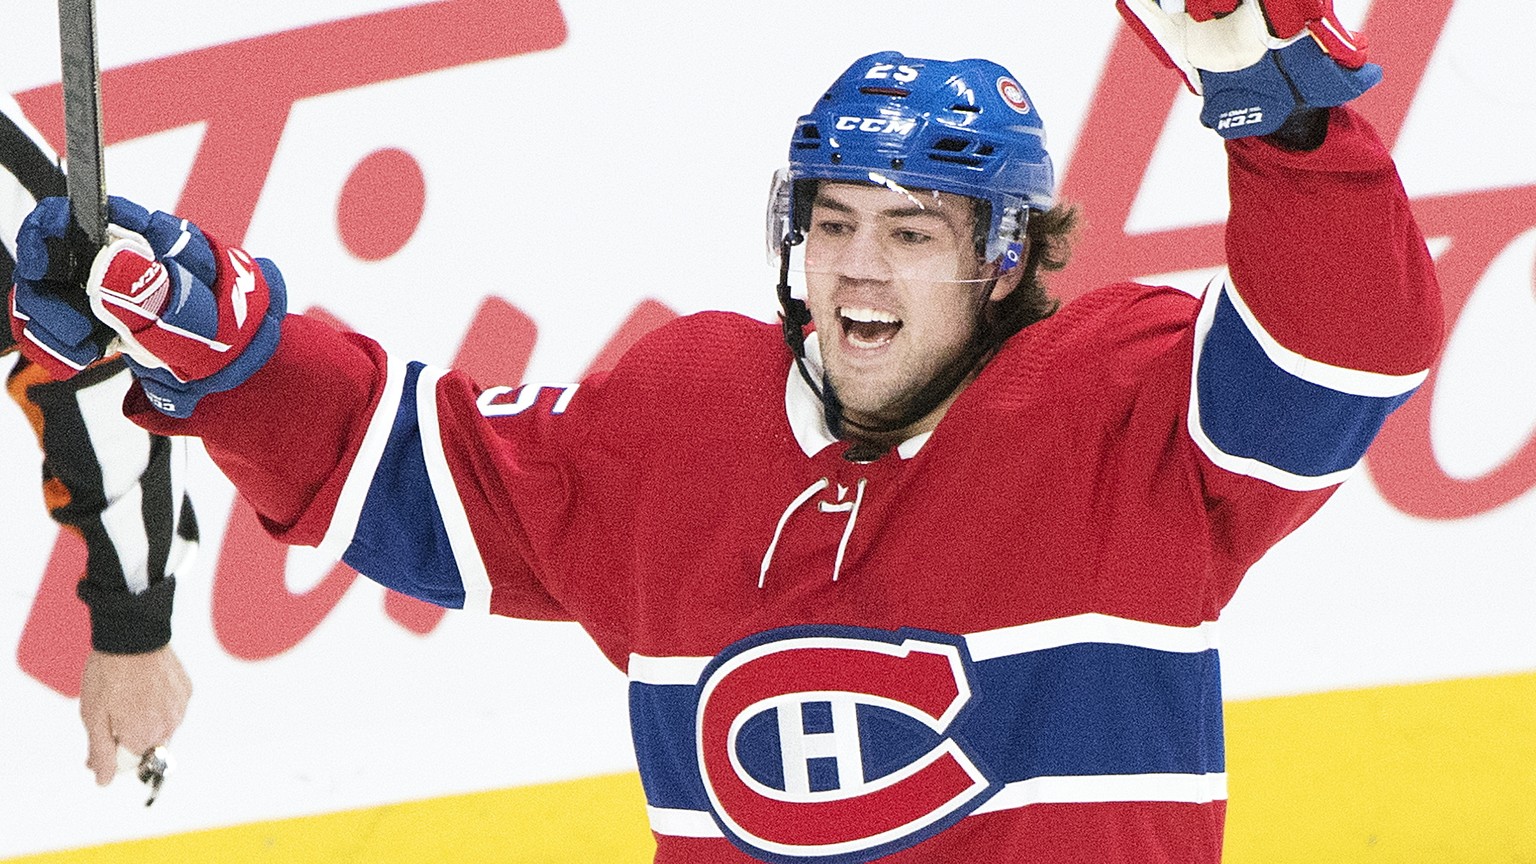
(862, 258)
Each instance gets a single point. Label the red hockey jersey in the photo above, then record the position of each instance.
(996, 642)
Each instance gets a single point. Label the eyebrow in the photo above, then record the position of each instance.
(893, 212)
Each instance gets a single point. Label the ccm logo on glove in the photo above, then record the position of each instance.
(1240, 117)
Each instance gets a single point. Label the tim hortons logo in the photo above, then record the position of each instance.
(243, 92)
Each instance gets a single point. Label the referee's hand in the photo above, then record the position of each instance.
(135, 701)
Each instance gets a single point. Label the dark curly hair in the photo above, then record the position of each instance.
(1049, 234)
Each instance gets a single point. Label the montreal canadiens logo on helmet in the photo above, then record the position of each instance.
(833, 745)
(1013, 94)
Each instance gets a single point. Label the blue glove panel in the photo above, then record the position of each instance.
(1321, 82)
(163, 231)
(1257, 100)
(63, 329)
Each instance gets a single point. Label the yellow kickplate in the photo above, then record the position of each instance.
(1441, 773)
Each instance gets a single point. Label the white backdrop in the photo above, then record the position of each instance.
(631, 162)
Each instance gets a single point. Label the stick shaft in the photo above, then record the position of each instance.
(85, 178)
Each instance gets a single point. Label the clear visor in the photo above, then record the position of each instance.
(880, 231)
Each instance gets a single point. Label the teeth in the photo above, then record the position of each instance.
(870, 316)
(859, 342)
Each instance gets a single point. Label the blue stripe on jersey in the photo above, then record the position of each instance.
(1077, 710)
(400, 541)
(1251, 408)
(662, 720)
(1093, 708)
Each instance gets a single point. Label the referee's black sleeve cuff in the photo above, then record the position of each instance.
(124, 623)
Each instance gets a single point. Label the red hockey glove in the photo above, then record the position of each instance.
(192, 316)
(1255, 61)
(1204, 10)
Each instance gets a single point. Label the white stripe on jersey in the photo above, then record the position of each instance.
(354, 492)
(466, 553)
(990, 644)
(1090, 627)
(1107, 788)
(682, 823)
(1352, 381)
(1093, 789)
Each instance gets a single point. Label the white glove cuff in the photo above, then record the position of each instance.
(1226, 44)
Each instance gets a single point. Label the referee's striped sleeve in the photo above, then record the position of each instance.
(120, 488)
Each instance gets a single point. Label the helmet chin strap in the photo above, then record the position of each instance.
(796, 315)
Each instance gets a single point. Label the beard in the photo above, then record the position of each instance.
(888, 423)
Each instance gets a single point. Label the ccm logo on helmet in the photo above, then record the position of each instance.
(833, 744)
(1013, 94)
(890, 125)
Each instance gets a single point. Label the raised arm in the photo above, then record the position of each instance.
(1329, 315)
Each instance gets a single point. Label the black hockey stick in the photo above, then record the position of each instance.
(84, 179)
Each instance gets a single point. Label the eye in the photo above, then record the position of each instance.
(834, 228)
(909, 237)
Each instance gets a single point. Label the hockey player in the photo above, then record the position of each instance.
(118, 488)
(940, 581)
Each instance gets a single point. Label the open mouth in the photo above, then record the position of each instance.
(868, 328)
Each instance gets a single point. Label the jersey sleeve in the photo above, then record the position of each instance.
(466, 498)
(1327, 320)
(115, 485)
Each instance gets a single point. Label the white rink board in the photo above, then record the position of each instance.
(631, 162)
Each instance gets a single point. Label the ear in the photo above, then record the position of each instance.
(1009, 281)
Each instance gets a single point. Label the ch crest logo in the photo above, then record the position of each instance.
(833, 744)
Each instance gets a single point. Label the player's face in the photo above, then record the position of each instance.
(895, 288)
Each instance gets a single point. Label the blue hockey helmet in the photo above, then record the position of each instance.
(965, 127)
